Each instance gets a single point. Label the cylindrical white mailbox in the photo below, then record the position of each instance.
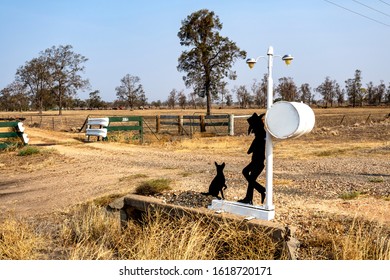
(289, 119)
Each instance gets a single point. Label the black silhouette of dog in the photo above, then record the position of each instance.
(218, 184)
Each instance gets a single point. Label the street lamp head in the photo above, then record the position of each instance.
(251, 62)
(287, 59)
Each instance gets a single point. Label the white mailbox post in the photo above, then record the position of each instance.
(297, 117)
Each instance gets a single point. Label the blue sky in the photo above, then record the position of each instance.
(139, 38)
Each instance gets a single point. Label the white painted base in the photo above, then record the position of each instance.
(243, 209)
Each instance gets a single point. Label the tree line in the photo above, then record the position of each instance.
(329, 93)
(52, 80)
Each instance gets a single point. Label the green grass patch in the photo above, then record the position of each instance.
(105, 200)
(335, 152)
(185, 174)
(152, 187)
(28, 151)
(133, 177)
(376, 179)
(350, 195)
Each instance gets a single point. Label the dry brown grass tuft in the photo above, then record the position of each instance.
(363, 241)
(197, 238)
(89, 232)
(338, 239)
(19, 240)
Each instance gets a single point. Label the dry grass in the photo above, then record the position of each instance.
(19, 241)
(336, 239)
(303, 149)
(201, 238)
(88, 232)
(29, 158)
(364, 241)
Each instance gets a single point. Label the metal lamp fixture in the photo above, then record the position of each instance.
(268, 148)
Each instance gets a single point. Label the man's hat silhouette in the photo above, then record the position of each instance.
(255, 123)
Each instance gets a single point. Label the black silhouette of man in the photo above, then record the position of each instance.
(256, 166)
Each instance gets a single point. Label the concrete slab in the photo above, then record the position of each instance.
(242, 209)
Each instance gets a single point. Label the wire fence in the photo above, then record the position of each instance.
(191, 126)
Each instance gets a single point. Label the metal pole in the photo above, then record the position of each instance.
(268, 146)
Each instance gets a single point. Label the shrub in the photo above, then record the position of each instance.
(153, 187)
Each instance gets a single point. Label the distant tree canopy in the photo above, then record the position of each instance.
(243, 96)
(210, 56)
(305, 93)
(94, 100)
(287, 89)
(354, 89)
(131, 91)
(328, 90)
(53, 77)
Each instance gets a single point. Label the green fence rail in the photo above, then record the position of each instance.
(11, 133)
(101, 127)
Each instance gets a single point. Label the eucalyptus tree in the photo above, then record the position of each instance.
(14, 97)
(243, 96)
(229, 99)
(35, 76)
(287, 89)
(305, 93)
(53, 77)
(380, 93)
(130, 91)
(340, 95)
(259, 90)
(182, 100)
(209, 56)
(65, 68)
(94, 100)
(328, 91)
(371, 91)
(223, 91)
(354, 89)
(172, 98)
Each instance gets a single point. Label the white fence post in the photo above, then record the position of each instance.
(231, 125)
